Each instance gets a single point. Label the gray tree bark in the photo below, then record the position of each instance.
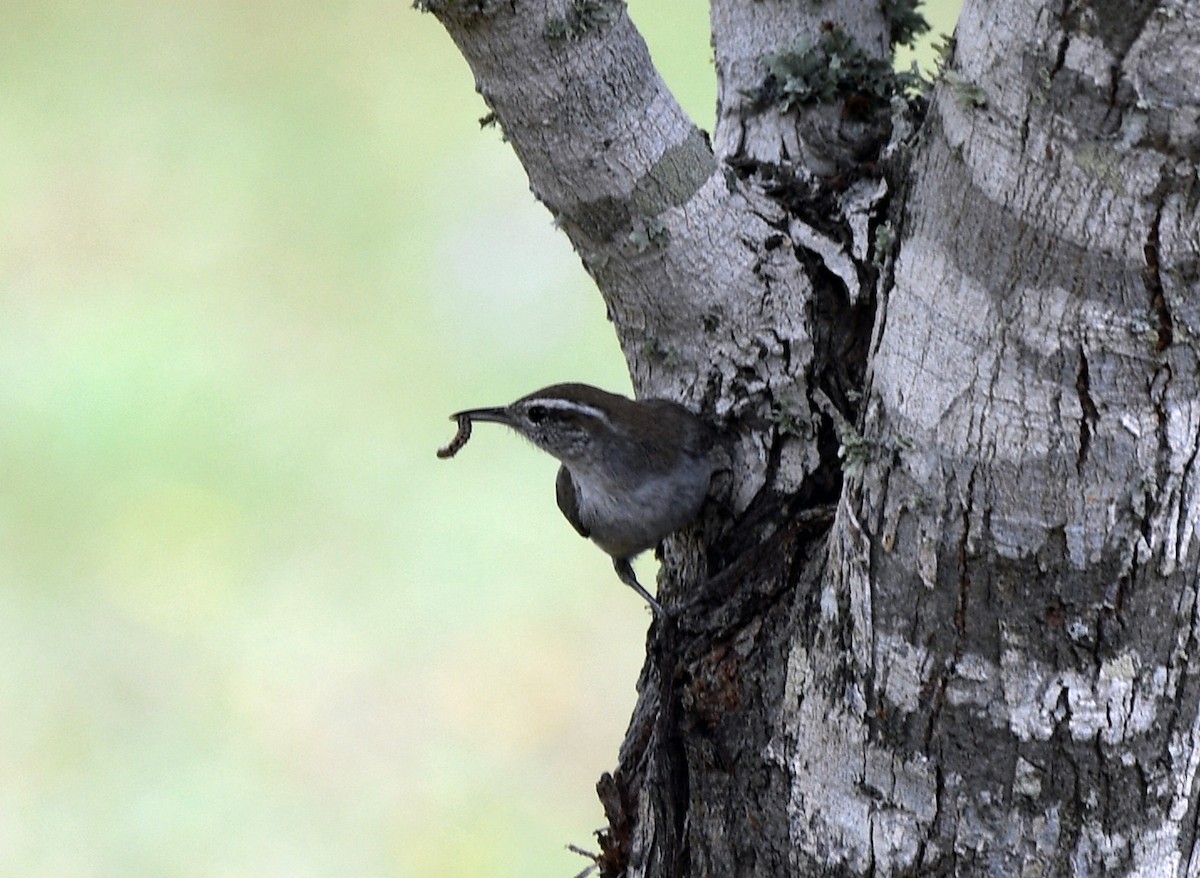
(941, 617)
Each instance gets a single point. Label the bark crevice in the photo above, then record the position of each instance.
(1089, 414)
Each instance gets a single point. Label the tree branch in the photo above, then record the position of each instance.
(685, 255)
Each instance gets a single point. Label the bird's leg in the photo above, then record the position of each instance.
(627, 576)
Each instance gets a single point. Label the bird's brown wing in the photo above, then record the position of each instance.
(568, 500)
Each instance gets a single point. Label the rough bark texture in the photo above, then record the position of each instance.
(942, 616)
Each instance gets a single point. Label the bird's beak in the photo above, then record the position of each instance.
(499, 416)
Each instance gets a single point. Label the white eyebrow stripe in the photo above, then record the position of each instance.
(567, 405)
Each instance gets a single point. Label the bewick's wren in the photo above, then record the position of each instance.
(633, 471)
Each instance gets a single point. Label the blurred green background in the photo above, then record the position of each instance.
(251, 256)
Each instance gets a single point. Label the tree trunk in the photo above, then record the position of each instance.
(941, 617)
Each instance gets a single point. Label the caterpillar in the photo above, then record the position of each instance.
(459, 440)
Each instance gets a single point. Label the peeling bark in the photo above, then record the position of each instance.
(941, 617)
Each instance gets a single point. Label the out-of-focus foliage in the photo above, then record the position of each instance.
(251, 257)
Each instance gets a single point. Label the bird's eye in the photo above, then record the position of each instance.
(536, 414)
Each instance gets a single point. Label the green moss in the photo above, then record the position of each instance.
(854, 450)
(833, 68)
(788, 421)
(905, 21)
(967, 93)
(943, 52)
(885, 243)
(649, 234)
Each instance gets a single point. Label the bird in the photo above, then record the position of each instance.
(632, 471)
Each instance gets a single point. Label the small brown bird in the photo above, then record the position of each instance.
(633, 471)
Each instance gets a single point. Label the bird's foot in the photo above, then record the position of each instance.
(626, 575)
